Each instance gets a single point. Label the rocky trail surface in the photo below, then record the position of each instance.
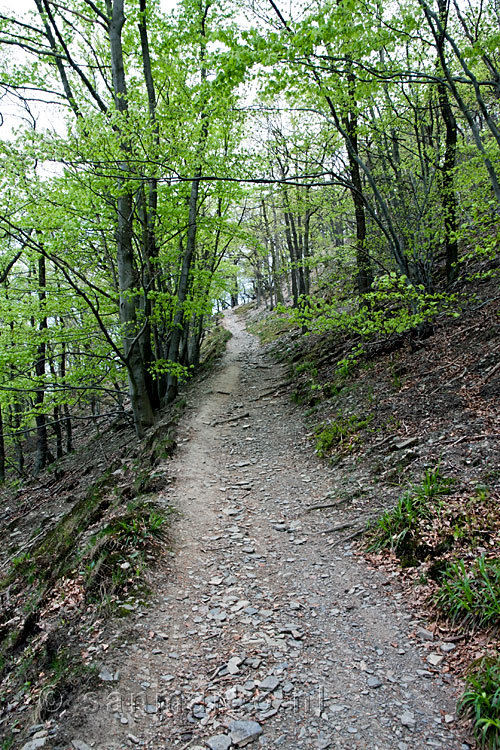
(262, 629)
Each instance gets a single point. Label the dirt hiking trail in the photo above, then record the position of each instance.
(260, 629)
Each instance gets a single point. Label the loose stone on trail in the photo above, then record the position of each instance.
(219, 742)
(244, 732)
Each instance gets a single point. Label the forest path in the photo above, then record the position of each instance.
(261, 619)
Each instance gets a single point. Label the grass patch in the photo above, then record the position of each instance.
(471, 597)
(339, 433)
(480, 701)
(116, 555)
(396, 527)
(398, 530)
(272, 326)
(244, 308)
(214, 345)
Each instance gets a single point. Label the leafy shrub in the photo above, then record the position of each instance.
(481, 701)
(471, 598)
(395, 305)
(346, 366)
(306, 367)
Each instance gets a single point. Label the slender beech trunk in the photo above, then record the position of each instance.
(307, 250)
(150, 209)
(364, 276)
(2, 449)
(42, 446)
(437, 30)
(293, 259)
(277, 264)
(67, 417)
(298, 255)
(15, 412)
(447, 187)
(189, 253)
(183, 286)
(15, 423)
(56, 413)
(235, 291)
(58, 432)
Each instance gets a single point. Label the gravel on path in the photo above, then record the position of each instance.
(262, 632)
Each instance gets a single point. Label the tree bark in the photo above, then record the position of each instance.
(2, 449)
(364, 276)
(448, 196)
(183, 287)
(42, 446)
(127, 275)
(293, 260)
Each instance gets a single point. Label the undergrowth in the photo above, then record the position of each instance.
(271, 326)
(115, 556)
(214, 345)
(397, 530)
(339, 433)
(85, 566)
(422, 528)
(480, 701)
(471, 597)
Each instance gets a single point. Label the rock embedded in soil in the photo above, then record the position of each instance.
(106, 676)
(34, 744)
(447, 647)
(424, 634)
(408, 719)
(435, 659)
(269, 684)
(219, 742)
(233, 665)
(400, 445)
(244, 732)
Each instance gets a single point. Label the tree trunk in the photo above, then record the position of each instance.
(42, 446)
(2, 449)
(149, 218)
(15, 422)
(127, 276)
(364, 276)
(448, 196)
(298, 256)
(58, 433)
(56, 413)
(307, 251)
(183, 287)
(293, 260)
(67, 417)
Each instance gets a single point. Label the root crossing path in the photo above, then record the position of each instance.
(259, 619)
